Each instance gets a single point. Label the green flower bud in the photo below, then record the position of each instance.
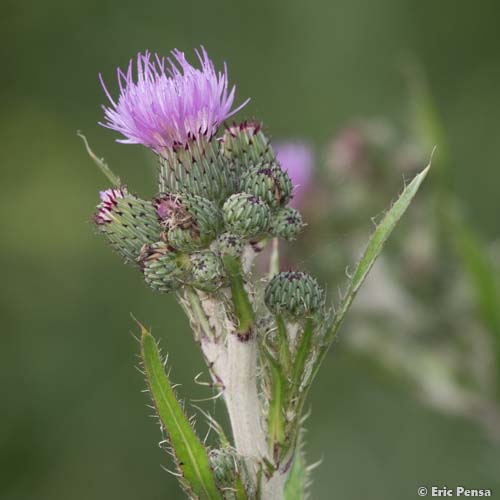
(294, 294)
(246, 215)
(197, 168)
(229, 244)
(191, 222)
(223, 465)
(245, 144)
(286, 223)
(127, 222)
(206, 271)
(268, 181)
(164, 270)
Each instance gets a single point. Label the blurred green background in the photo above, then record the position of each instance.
(74, 423)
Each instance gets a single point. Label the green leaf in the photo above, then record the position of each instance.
(103, 166)
(239, 488)
(275, 418)
(370, 254)
(296, 485)
(242, 305)
(283, 344)
(303, 351)
(190, 454)
(374, 248)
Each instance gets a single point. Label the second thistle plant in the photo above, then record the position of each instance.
(222, 198)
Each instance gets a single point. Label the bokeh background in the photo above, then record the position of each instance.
(73, 421)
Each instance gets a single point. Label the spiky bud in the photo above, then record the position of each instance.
(127, 222)
(197, 168)
(190, 221)
(246, 215)
(287, 223)
(164, 270)
(229, 244)
(294, 294)
(223, 464)
(206, 271)
(269, 182)
(244, 144)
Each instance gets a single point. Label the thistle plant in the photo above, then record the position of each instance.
(430, 312)
(222, 196)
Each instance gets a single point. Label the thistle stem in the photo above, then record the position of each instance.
(274, 261)
(242, 401)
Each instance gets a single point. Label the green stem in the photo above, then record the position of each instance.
(242, 305)
(197, 308)
(303, 351)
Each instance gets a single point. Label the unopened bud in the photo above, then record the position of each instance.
(287, 223)
(127, 222)
(246, 215)
(190, 221)
(229, 244)
(206, 271)
(269, 182)
(294, 294)
(246, 144)
(199, 168)
(164, 270)
(223, 465)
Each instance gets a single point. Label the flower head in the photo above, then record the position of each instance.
(294, 294)
(108, 202)
(169, 101)
(297, 159)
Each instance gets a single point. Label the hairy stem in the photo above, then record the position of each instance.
(242, 401)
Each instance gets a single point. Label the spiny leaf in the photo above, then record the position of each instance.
(295, 487)
(190, 454)
(374, 248)
(372, 251)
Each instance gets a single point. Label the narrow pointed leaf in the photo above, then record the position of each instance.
(103, 166)
(303, 351)
(275, 419)
(284, 348)
(370, 254)
(190, 454)
(296, 485)
(374, 247)
(239, 489)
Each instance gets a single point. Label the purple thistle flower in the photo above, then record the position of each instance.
(108, 202)
(169, 101)
(297, 159)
